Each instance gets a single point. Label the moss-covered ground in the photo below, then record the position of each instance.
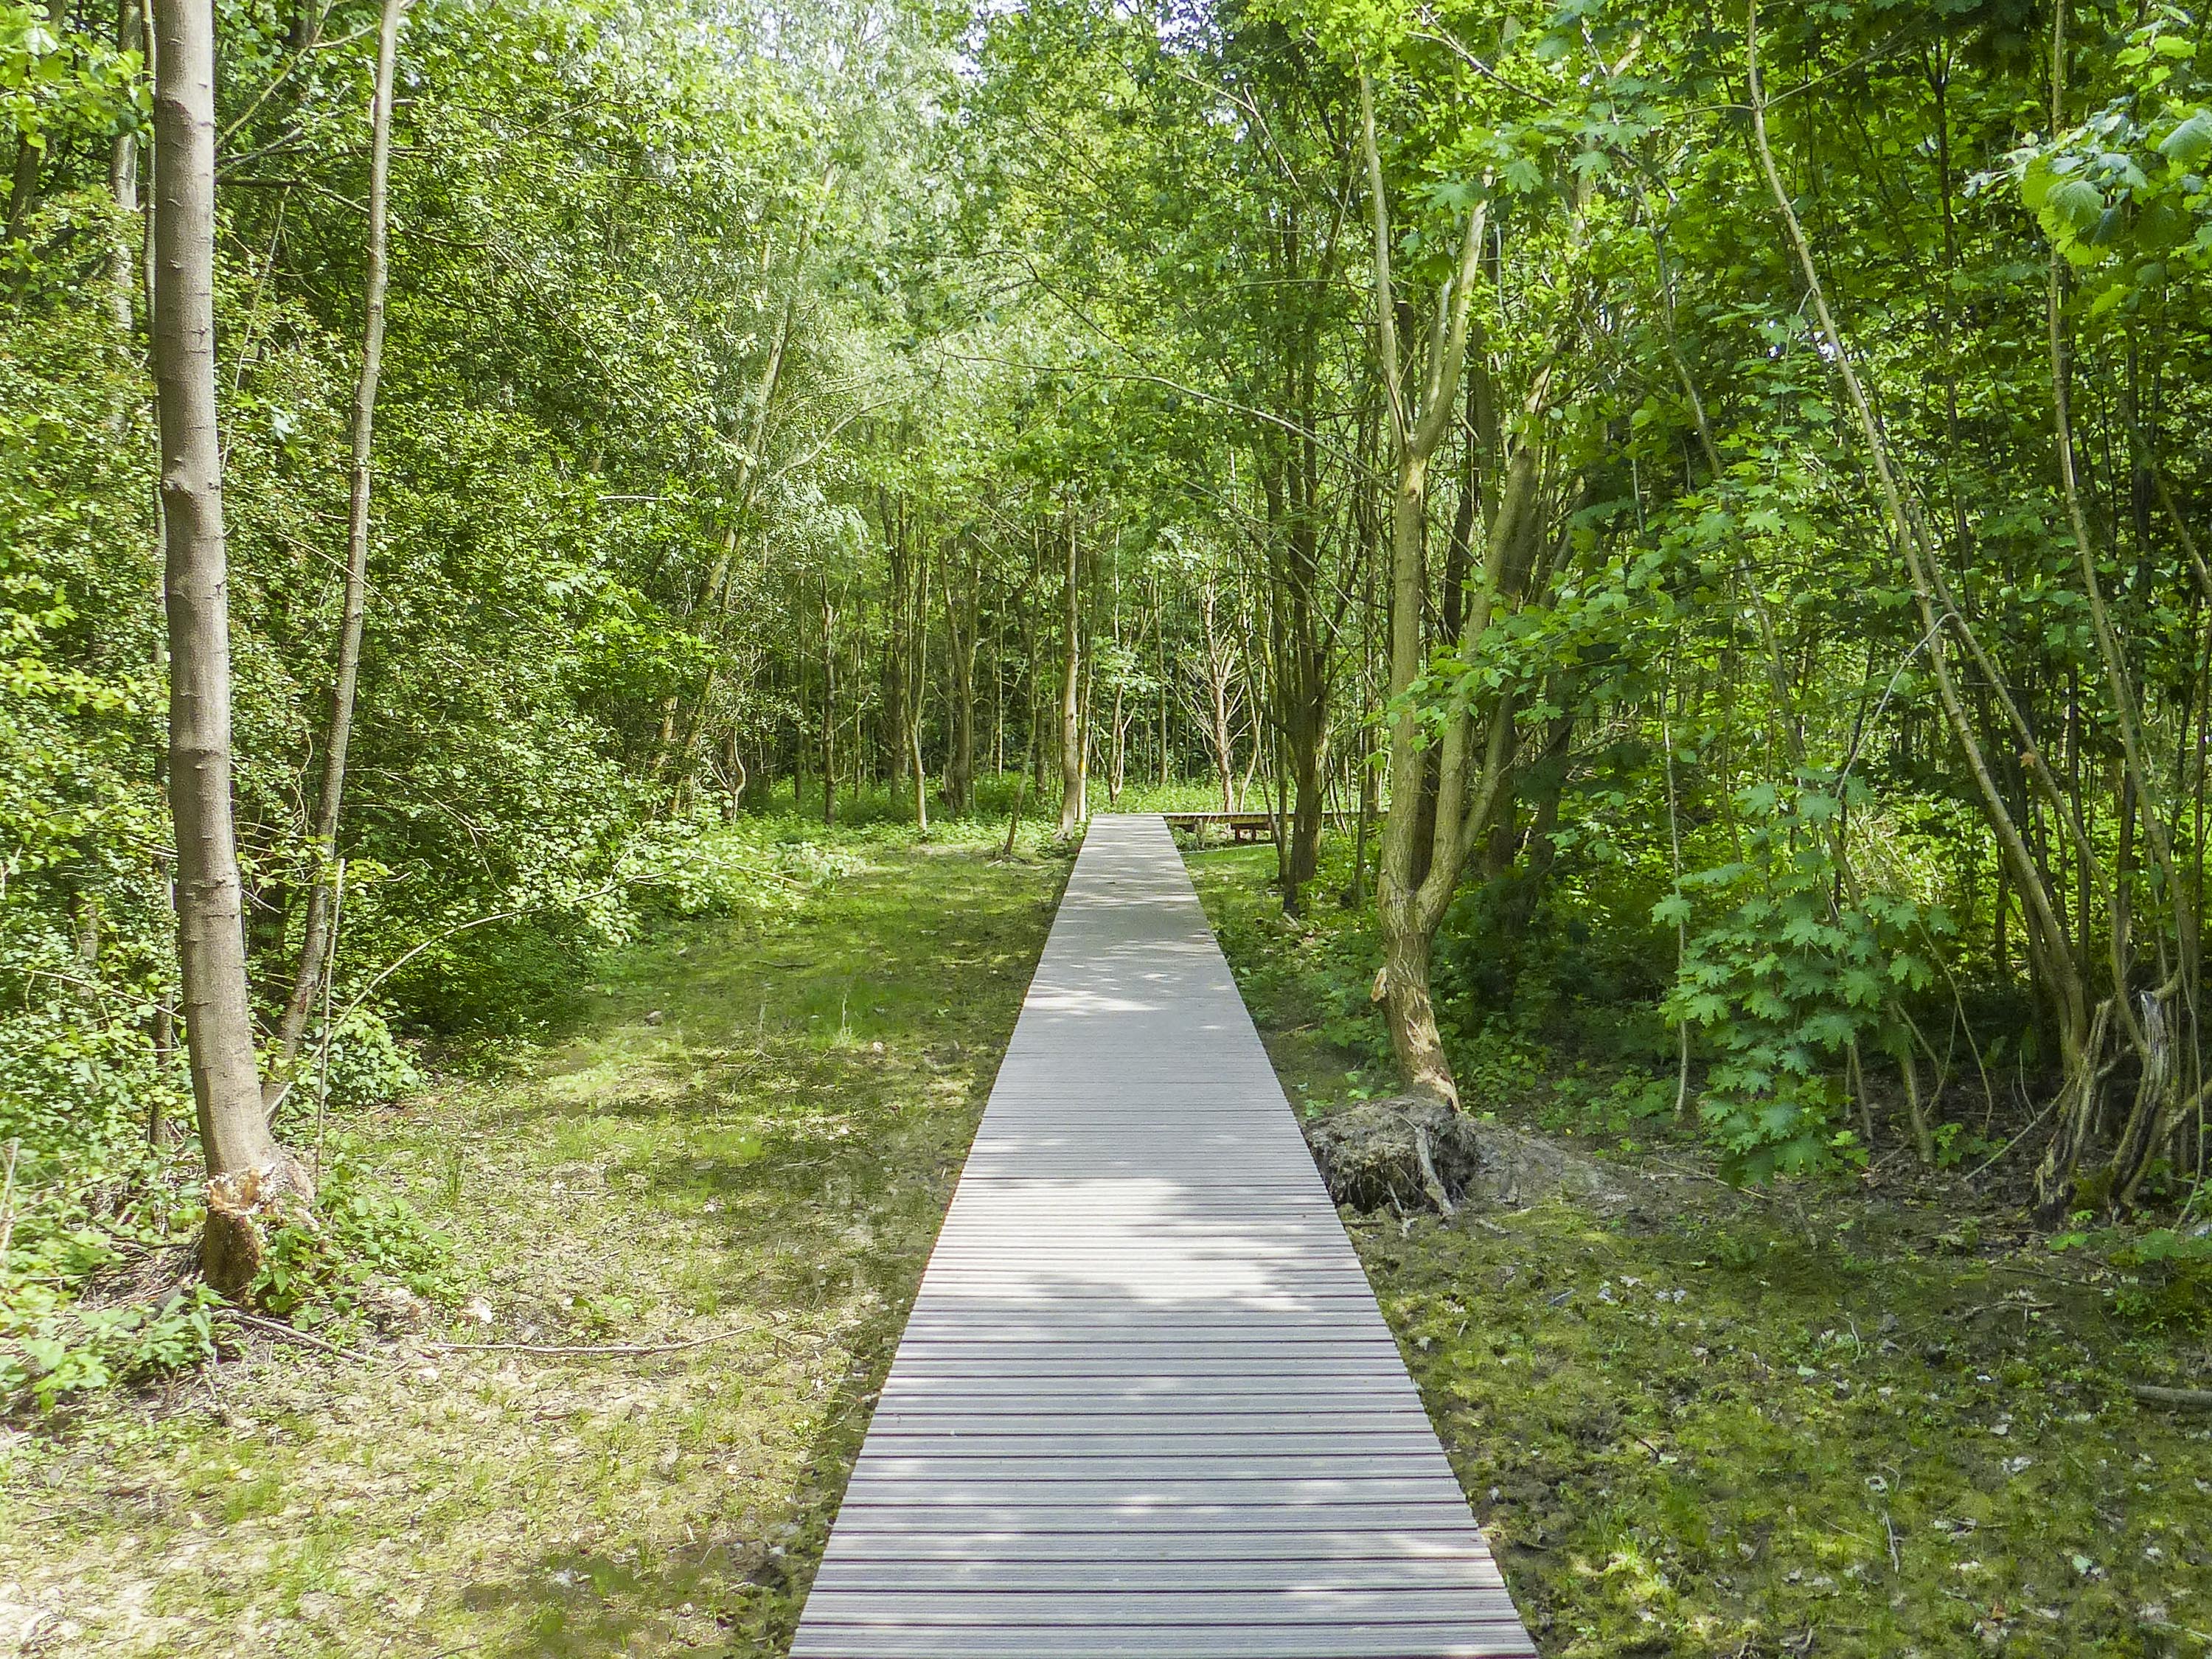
(745, 1125)
(1840, 1418)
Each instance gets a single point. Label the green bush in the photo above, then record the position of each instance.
(699, 865)
(76, 1350)
(320, 1269)
(1801, 968)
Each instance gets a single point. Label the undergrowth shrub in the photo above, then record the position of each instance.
(93, 1288)
(51, 1354)
(368, 1066)
(323, 1268)
(699, 865)
(97, 1292)
(1801, 970)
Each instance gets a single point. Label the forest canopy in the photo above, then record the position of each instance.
(1697, 520)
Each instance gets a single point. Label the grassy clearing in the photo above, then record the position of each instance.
(746, 1127)
(1822, 1420)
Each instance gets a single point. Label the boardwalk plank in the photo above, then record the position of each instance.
(1144, 1403)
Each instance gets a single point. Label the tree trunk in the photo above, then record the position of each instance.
(898, 644)
(30, 158)
(734, 776)
(123, 186)
(960, 627)
(1224, 742)
(1160, 665)
(912, 736)
(249, 1176)
(1117, 761)
(322, 844)
(829, 708)
(1071, 692)
(1032, 689)
(1410, 904)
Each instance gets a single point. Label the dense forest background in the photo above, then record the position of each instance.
(1701, 512)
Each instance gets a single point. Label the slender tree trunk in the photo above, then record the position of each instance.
(998, 697)
(123, 186)
(323, 845)
(23, 186)
(1071, 691)
(1302, 671)
(733, 775)
(960, 625)
(801, 736)
(1160, 666)
(828, 707)
(1117, 761)
(1418, 419)
(1251, 760)
(898, 644)
(1087, 738)
(249, 1174)
(30, 158)
(1032, 694)
(1224, 741)
(912, 736)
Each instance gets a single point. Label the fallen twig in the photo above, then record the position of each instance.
(2153, 1394)
(2037, 1273)
(1706, 1175)
(277, 1327)
(548, 1350)
(2005, 1307)
(599, 1350)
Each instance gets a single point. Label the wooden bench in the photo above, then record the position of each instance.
(1242, 826)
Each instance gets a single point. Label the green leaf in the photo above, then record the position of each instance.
(2073, 205)
(2190, 142)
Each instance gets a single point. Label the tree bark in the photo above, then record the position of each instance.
(911, 738)
(961, 628)
(249, 1174)
(1419, 418)
(30, 158)
(315, 946)
(828, 707)
(1070, 690)
(123, 186)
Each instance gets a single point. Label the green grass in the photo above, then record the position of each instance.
(744, 1126)
(1818, 1420)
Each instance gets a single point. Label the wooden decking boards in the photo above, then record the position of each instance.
(1146, 1404)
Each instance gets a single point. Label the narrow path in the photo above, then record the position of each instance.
(1146, 1404)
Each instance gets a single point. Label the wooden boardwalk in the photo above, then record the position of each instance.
(1146, 1404)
